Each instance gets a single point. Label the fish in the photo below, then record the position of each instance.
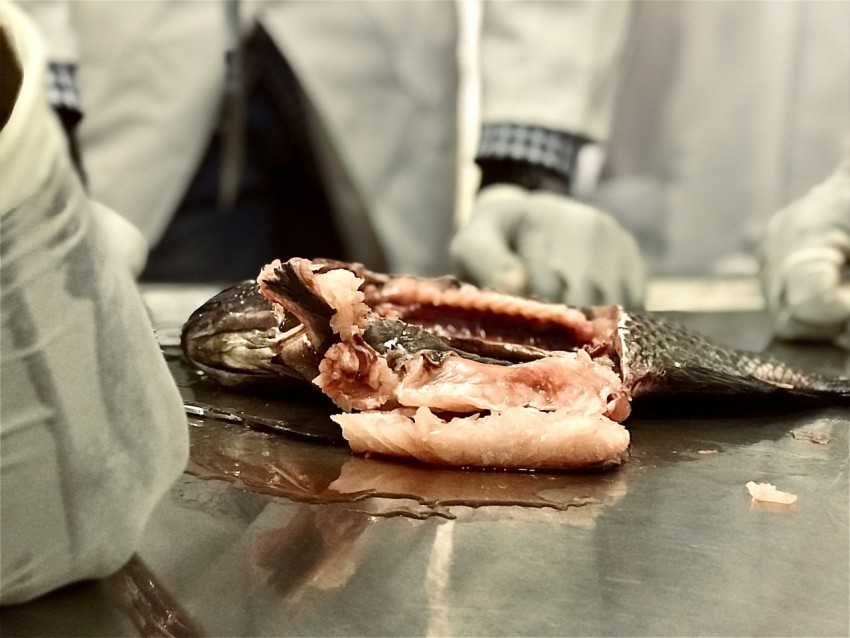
(446, 373)
(236, 339)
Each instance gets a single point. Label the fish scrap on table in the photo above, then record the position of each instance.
(450, 374)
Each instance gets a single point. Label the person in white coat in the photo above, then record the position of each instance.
(92, 429)
(727, 112)
(381, 84)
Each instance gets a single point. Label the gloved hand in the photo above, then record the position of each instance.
(549, 246)
(805, 256)
(125, 243)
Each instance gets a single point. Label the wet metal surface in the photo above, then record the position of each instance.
(303, 413)
(274, 534)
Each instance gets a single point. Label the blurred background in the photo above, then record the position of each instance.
(231, 133)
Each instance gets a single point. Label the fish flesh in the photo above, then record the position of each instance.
(447, 373)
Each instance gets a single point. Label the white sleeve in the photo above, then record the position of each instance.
(53, 19)
(92, 430)
(553, 64)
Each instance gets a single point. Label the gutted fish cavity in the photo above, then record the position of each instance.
(447, 373)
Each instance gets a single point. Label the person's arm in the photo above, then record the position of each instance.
(54, 18)
(805, 258)
(553, 64)
(550, 70)
(92, 432)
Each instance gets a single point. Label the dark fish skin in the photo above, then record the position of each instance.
(655, 356)
(661, 357)
(394, 338)
(229, 339)
(302, 303)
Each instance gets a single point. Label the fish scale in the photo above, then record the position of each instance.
(660, 356)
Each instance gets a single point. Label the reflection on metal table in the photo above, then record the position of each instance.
(273, 534)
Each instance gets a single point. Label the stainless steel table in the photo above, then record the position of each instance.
(276, 535)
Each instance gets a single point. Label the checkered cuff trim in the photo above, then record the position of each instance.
(535, 145)
(62, 87)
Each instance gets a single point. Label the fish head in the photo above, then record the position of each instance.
(237, 338)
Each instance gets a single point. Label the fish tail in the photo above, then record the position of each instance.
(794, 379)
(662, 357)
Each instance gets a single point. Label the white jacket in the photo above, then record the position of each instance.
(382, 76)
(728, 112)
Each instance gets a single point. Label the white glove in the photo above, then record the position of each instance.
(124, 243)
(805, 256)
(549, 246)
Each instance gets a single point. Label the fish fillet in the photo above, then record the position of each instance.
(515, 438)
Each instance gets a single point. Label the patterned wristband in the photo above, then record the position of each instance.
(536, 145)
(62, 91)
